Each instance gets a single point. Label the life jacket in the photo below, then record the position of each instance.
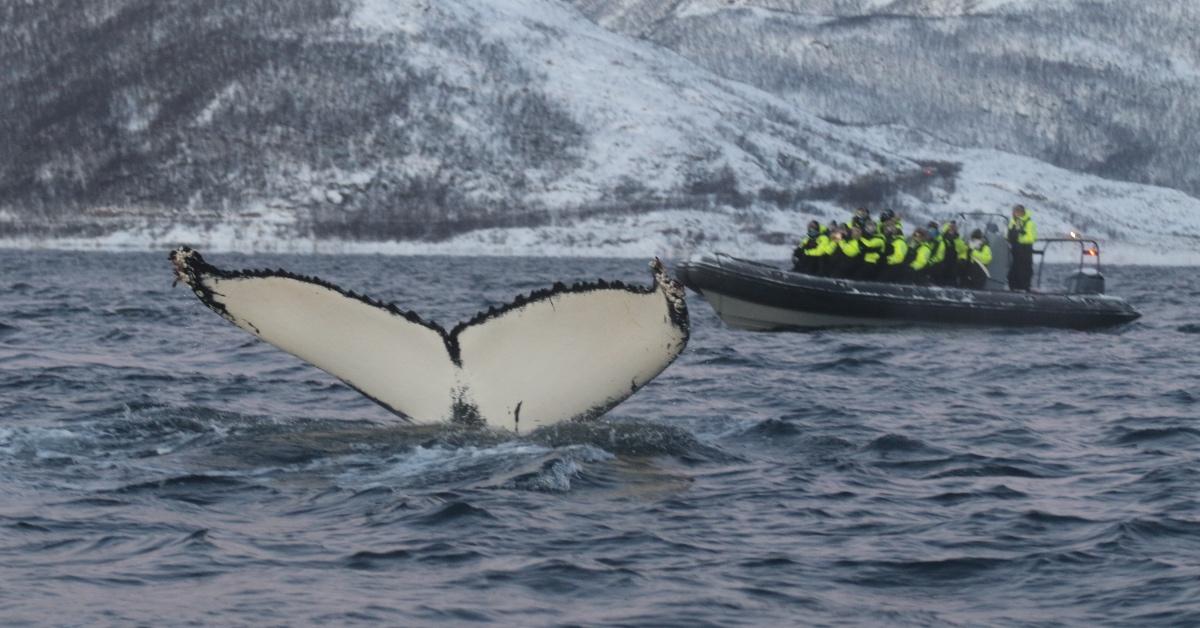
(949, 251)
(937, 250)
(961, 251)
(911, 254)
(1023, 230)
(897, 251)
(983, 255)
(872, 247)
(835, 249)
(921, 260)
(815, 247)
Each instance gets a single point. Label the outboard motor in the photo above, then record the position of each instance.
(1086, 281)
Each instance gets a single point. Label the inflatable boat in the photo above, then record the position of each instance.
(755, 296)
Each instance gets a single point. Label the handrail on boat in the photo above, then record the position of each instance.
(1001, 219)
(1085, 252)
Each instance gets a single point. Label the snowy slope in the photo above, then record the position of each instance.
(1136, 224)
(647, 112)
(1105, 86)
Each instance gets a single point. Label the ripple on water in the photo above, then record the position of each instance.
(889, 444)
(987, 495)
(848, 364)
(198, 489)
(957, 571)
(986, 471)
(553, 476)
(453, 511)
(1158, 436)
(1184, 396)
(376, 561)
(561, 576)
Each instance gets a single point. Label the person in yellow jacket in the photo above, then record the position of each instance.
(953, 255)
(1022, 233)
(812, 252)
(887, 217)
(975, 271)
(962, 249)
(872, 244)
(847, 253)
(937, 246)
(860, 218)
(895, 254)
(920, 252)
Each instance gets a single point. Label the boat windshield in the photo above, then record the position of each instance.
(994, 226)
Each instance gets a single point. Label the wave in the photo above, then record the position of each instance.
(723, 356)
(370, 560)
(560, 576)
(916, 573)
(899, 443)
(1131, 533)
(986, 470)
(553, 476)
(136, 313)
(998, 492)
(184, 482)
(1180, 436)
(197, 489)
(453, 512)
(848, 364)
(25, 526)
(626, 438)
(1184, 396)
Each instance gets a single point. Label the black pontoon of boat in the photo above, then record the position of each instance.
(756, 296)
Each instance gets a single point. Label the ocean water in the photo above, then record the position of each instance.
(159, 466)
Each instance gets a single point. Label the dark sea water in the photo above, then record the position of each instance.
(159, 466)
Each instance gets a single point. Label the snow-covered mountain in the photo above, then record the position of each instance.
(459, 126)
(404, 119)
(1108, 87)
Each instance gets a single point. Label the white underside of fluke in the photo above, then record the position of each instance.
(562, 354)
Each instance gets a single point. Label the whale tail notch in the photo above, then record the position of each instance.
(567, 352)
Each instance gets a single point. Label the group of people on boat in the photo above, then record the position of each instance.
(869, 250)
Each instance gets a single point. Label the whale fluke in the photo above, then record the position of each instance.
(568, 352)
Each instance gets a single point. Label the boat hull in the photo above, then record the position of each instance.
(758, 297)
